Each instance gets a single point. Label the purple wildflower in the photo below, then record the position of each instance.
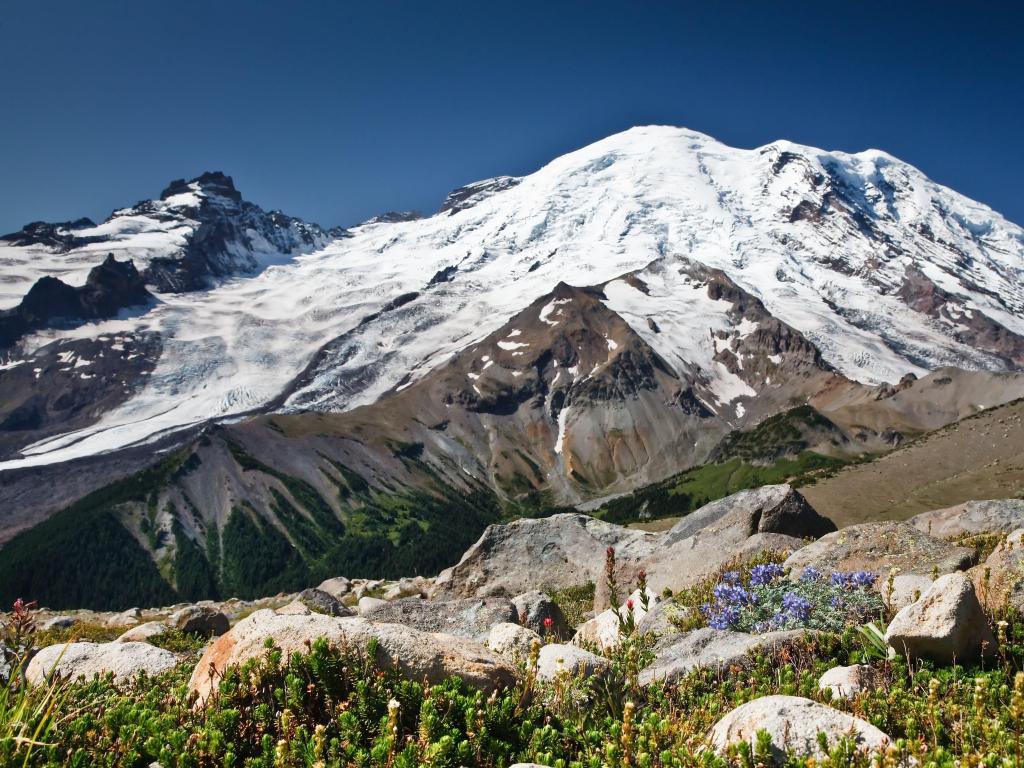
(810, 574)
(762, 575)
(731, 577)
(798, 608)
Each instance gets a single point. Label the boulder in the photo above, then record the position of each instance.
(846, 682)
(74, 660)
(556, 659)
(946, 624)
(319, 601)
(124, 619)
(879, 548)
(999, 581)
(794, 724)
(773, 517)
(199, 620)
(556, 552)
(416, 655)
(905, 588)
(662, 618)
(414, 587)
(512, 641)
(143, 633)
(367, 604)
(972, 517)
(337, 587)
(58, 622)
(470, 617)
(675, 656)
(534, 607)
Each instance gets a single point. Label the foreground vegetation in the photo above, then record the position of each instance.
(334, 707)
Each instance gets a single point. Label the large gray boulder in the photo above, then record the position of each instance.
(200, 620)
(773, 517)
(555, 552)
(946, 624)
(470, 617)
(880, 547)
(556, 659)
(972, 517)
(415, 654)
(676, 656)
(86, 660)
(794, 724)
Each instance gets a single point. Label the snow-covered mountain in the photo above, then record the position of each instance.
(859, 260)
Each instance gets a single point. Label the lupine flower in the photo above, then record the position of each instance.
(810, 574)
(731, 577)
(732, 594)
(798, 608)
(762, 575)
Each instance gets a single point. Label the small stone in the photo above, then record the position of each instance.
(537, 611)
(512, 641)
(143, 633)
(199, 619)
(556, 659)
(846, 682)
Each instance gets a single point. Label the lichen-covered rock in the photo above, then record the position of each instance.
(554, 552)
(879, 548)
(319, 601)
(971, 517)
(794, 724)
(470, 617)
(675, 656)
(416, 655)
(74, 660)
(556, 659)
(946, 624)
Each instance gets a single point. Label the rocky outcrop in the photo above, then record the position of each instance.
(879, 548)
(123, 660)
(675, 656)
(946, 624)
(470, 617)
(794, 724)
(773, 517)
(416, 655)
(110, 287)
(560, 551)
(971, 517)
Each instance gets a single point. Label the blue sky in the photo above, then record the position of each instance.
(335, 111)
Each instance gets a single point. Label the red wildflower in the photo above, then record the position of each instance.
(629, 604)
(549, 622)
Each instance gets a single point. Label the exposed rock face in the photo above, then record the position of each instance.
(469, 617)
(122, 659)
(878, 548)
(417, 655)
(551, 553)
(794, 724)
(946, 624)
(993, 516)
(556, 659)
(999, 581)
(771, 517)
(541, 614)
(466, 197)
(199, 619)
(675, 656)
(110, 287)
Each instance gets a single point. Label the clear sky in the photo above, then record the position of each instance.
(335, 111)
